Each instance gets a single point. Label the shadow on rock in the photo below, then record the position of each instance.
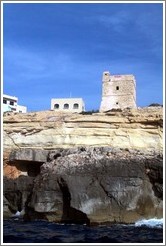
(70, 214)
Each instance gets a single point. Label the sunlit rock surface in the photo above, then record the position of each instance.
(77, 168)
(134, 128)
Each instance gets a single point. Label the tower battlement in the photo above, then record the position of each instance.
(118, 91)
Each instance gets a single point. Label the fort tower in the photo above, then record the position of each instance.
(118, 91)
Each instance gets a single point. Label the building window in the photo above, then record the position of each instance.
(12, 103)
(117, 103)
(56, 106)
(117, 88)
(4, 101)
(66, 106)
(75, 106)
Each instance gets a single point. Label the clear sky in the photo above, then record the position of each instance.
(57, 50)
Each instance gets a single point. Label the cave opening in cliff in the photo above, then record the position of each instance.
(28, 168)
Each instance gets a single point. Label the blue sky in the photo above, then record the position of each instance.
(56, 50)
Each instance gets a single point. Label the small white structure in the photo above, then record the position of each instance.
(10, 103)
(75, 105)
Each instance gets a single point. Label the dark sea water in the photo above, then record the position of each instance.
(18, 231)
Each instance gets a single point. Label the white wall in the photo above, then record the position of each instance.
(70, 101)
(21, 109)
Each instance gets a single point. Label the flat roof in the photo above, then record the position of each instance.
(69, 98)
(10, 97)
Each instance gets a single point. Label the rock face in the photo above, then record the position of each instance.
(134, 128)
(119, 181)
(88, 185)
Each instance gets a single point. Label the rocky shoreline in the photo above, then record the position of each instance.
(85, 184)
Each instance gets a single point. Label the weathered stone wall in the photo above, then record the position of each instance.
(119, 91)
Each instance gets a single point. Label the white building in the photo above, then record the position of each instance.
(10, 103)
(68, 104)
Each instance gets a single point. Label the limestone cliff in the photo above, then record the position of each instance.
(77, 168)
(134, 128)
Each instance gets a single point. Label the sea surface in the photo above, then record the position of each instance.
(16, 230)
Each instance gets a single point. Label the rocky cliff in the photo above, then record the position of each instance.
(124, 129)
(77, 168)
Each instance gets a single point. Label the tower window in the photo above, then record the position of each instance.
(117, 88)
(66, 106)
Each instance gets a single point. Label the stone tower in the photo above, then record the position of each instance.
(118, 91)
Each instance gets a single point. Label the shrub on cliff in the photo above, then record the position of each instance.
(90, 112)
(155, 105)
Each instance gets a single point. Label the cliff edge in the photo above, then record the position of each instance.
(75, 168)
(130, 128)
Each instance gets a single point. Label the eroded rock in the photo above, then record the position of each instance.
(94, 185)
(75, 168)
